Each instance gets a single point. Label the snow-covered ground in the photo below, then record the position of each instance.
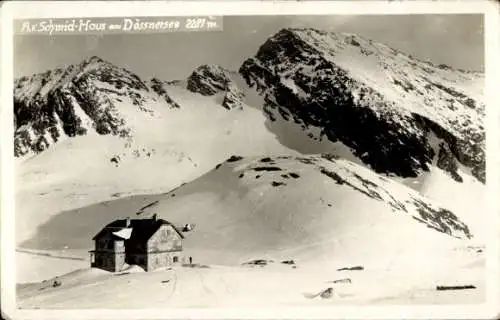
(37, 265)
(275, 284)
(240, 215)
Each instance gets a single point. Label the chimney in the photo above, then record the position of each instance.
(127, 223)
(155, 217)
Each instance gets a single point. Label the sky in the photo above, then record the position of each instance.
(455, 40)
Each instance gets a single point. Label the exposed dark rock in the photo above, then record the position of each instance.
(294, 175)
(234, 158)
(355, 268)
(441, 220)
(159, 87)
(209, 80)
(447, 162)
(441, 288)
(267, 169)
(257, 262)
(233, 99)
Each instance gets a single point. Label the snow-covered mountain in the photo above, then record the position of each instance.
(69, 102)
(421, 114)
(418, 123)
(95, 132)
(397, 114)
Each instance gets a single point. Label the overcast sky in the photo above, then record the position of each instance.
(456, 40)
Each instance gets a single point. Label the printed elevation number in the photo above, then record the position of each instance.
(199, 23)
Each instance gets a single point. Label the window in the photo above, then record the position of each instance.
(176, 259)
(110, 244)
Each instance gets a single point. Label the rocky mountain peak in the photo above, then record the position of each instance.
(73, 100)
(339, 82)
(209, 80)
(93, 59)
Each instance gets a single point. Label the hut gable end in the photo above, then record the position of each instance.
(166, 239)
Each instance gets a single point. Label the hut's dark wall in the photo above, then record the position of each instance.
(109, 261)
(109, 253)
(139, 259)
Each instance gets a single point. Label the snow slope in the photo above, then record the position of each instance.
(211, 80)
(467, 199)
(327, 214)
(309, 207)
